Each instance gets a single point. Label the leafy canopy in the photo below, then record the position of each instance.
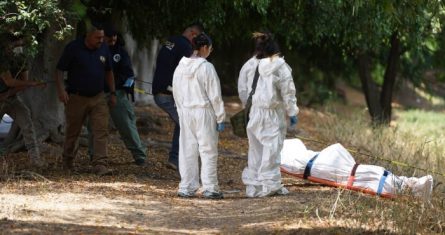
(29, 18)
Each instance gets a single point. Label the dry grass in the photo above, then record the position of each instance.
(391, 147)
(142, 200)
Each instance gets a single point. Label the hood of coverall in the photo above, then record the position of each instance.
(190, 65)
(269, 65)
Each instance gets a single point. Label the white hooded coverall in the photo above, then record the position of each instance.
(266, 130)
(197, 93)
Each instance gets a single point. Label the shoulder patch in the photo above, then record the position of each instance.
(117, 58)
(169, 45)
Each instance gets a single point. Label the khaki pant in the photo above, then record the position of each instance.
(77, 110)
(15, 108)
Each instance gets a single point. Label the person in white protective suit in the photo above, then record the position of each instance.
(197, 93)
(273, 100)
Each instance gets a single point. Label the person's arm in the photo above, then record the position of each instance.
(11, 82)
(63, 95)
(245, 79)
(63, 65)
(125, 64)
(243, 89)
(110, 82)
(14, 87)
(24, 76)
(10, 92)
(109, 78)
(213, 90)
(288, 91)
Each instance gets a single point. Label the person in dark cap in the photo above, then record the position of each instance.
(122, 113)
(89, 64)
(168, 58)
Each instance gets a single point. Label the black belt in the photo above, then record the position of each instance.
(82, 93)
(164, 93)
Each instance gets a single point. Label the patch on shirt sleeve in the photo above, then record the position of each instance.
(116, 58)
(169, 45)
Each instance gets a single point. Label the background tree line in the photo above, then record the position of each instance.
(370, 44)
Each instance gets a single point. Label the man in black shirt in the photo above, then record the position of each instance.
(168, 58)
(88, 63)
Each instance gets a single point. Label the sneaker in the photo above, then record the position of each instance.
(185, 194)
(212, 195)
(101, 170)
(282, 191)
(172, 166)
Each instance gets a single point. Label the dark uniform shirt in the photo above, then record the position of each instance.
(122, 67)
(168, 58)
(86, 68)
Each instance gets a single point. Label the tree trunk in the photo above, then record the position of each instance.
(46, 110)
(369, 87)
(390, 78)
(379, 106)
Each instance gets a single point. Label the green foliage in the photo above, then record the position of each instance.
(415, 62)
(378, 73)
(355, 27)
(329, 34)
(29, 18)
(315, 90)
(423, 124)
(79, 9)
(225, 20)
(341, 30)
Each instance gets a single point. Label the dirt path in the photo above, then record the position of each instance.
(143, 199)
(142, 207)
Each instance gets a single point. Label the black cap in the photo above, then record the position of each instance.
(110, 31)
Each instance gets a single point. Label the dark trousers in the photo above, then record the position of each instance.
(167, 103)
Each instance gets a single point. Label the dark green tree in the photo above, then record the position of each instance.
(366, 34)
(322, 40)
(369, 33)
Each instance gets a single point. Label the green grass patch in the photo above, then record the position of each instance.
(427, 125)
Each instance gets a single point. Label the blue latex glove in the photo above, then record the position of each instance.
(293, 121)
(129, 82)
(220, 127)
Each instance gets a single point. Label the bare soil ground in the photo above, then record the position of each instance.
(139, 200)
